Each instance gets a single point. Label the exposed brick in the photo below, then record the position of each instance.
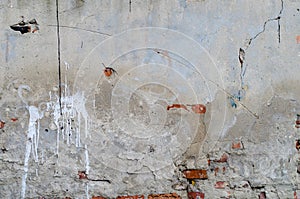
(220, 185)
(237, 145)
(131, 197)
(164, 196)
(224, 170)
(2, 124)
(199, 108)
(14, 119)
(196, 195)
(298, 168)
(223, 158)
(196, 174)
(98, 197)
(298, 39)
(82, 175)
(297, 125)
(298, 144)
(216, 170)
(262, 195)
(177, 106)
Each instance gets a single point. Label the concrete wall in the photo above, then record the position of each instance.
(113, 136)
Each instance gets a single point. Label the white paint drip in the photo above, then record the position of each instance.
(31, 143)
(73, 107)
(87, 162)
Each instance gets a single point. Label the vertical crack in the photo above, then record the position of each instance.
(130, 5)
(278, 21)
(58, 56)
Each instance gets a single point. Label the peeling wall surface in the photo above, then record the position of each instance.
(150, 99)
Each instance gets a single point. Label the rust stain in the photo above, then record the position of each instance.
(177, 106)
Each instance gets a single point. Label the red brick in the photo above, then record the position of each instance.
(262, 195)
(196, 174)
(224, 169)
(298, 39)
(2, 124)
(82, 175)
(223, 158)
(98, 197)
(14, 119)
(221, 185)
(131, 197)
(164, 196)
(237, 145)
(216, 170)
(199, 108)
(298, 144)
(196, 195)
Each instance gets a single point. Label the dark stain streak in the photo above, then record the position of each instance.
(130, 5)
(278, 21)
(78, 28)
(242, 55)
(58, 56)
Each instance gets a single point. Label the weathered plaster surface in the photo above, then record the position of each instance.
(117, 129)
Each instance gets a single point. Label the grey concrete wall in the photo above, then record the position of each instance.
(238, 58)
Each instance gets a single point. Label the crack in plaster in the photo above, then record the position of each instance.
(78, 28)
(264, 26)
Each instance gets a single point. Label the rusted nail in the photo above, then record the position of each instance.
(108, 71)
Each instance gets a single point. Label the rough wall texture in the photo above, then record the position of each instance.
(113, 136)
